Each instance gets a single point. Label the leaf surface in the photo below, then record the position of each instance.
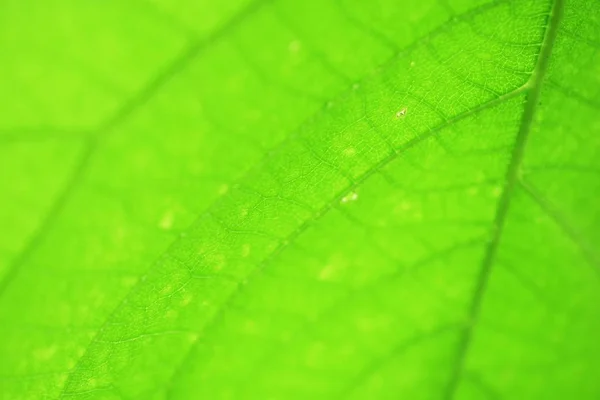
(279, 199)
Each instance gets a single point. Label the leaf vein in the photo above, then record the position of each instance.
(534, 85)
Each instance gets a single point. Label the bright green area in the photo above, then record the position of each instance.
(343, 199)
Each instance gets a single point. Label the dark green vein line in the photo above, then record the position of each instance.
(534, 85)
(376, 168)
(147, 92)
(325, 61)
(394, 58)
(154, 9)
(373, 32)
(270, 80)
(592, 42)
(484, 387)
(51, 216)
(547, 207)
(191, 53)
(138, 100)
(284, 243)
(592, 103)
(395, 352)
(178, 65)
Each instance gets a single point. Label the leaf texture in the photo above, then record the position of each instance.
(278, 199)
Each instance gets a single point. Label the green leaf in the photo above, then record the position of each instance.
(257, 199)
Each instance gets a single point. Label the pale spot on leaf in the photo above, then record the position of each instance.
(193, 337)
(224, 188)
(352, 196)
(251, 327)
(166, 221)
(246, 248)
(349, 152)
(128, 281)
(295, 46)
(187, 299)
(45, 353)
(401, 113)
(497, 191)
(328, 272)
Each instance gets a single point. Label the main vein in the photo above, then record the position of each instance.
(534, 86)
(320, 213)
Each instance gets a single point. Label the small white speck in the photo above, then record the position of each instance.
(412, 64)
(401, 113)
(349, 197)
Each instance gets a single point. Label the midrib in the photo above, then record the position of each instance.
(534, 87)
